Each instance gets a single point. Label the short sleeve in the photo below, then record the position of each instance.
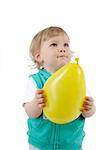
(88, 92)
(30, 90)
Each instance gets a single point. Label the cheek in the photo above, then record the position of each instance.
(50, 57)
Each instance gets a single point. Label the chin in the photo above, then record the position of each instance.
(62, 64)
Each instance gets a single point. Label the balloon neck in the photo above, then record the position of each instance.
(77, 60)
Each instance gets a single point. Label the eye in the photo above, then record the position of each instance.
(53, 44)
(66, 44)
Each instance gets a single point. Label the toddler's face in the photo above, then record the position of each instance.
(55, 52)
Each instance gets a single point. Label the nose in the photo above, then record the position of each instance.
(62, 50)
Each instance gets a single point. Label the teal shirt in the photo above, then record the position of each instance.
(47, 135)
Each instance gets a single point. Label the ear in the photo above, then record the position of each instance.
(37, 57)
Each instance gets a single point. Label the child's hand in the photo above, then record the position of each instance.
(40, 98)
(88, 108)
(34, 108)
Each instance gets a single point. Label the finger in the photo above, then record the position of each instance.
(84, 109)
(87, 107)
(90, 103)
(41, 100)
(40, 96)
(41, 105)
(39, 91)
(89, 98)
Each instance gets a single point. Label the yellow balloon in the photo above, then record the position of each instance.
(65, 91)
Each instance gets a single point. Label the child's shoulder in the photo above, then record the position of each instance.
(37, 79)
(34, 74)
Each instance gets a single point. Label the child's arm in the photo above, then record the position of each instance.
(34, 108)
(88, 108)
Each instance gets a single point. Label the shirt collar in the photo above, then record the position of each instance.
(45, 72)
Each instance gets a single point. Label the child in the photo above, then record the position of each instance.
(50, 51)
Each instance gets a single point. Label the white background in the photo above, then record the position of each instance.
(89, 25)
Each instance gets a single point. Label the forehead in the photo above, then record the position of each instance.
(58, 37)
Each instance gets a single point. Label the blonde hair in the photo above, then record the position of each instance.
(40, 37)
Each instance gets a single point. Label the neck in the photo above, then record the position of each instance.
(51, 69)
